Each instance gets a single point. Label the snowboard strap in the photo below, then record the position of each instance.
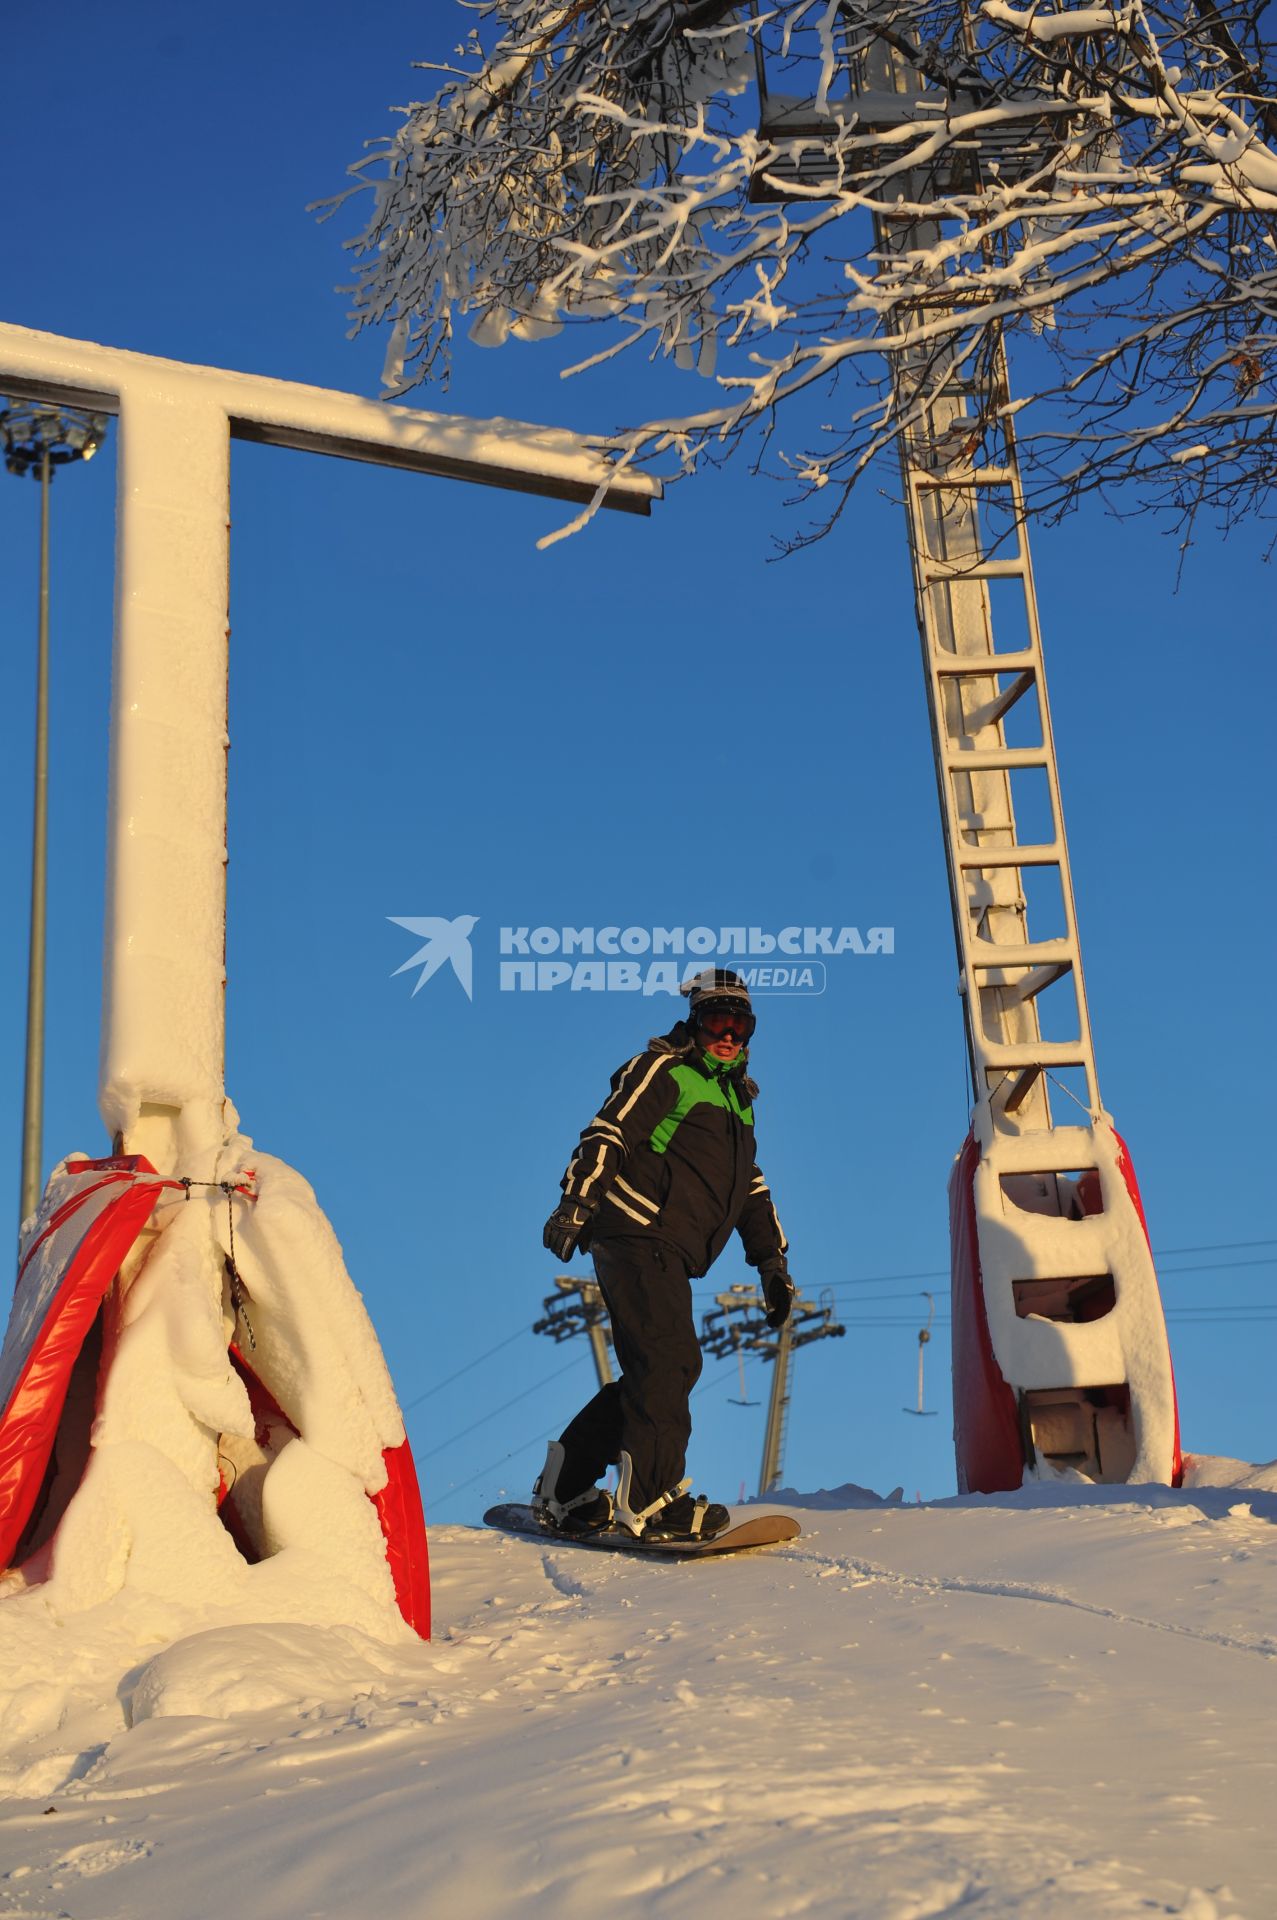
(544, 1493)
(624, 1515)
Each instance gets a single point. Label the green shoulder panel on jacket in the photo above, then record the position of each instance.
(694, 1087)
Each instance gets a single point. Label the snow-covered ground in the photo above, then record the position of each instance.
(1059, 1703)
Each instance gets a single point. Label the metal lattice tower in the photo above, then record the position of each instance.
(1060, 1354)
(737, 1323)
(565, 1317)
(1041, 1142)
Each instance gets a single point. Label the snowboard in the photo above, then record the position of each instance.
(747, 1529)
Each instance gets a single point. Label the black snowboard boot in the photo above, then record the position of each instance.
(688, 1519)
(671, 1516)
(586, 1512)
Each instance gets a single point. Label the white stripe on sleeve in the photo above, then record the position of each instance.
(656, 1067)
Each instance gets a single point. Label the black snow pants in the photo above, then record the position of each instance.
(648, 1296)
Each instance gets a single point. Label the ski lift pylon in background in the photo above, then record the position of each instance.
(924, 1336)
(825, 134)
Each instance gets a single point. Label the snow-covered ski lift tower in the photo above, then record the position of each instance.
(1060, 1354)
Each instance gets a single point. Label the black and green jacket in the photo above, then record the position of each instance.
(670, 1155)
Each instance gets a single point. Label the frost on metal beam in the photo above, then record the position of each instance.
(550, 461)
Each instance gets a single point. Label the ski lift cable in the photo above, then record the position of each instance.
(1251, 1313)
(715, 1379)
(537, 1438)
(849, 1302)
(1218, 1266)
(449, 1493)
(576, 1361)
(469, 1367)
(1163, 1253)
(1215, 1246)
(1204, 1315)
(868, 1325)
(1165, 1273)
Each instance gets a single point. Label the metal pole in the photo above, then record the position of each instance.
(33, 1091)
(598, 1343)
(777, 1407)
(586, 1314)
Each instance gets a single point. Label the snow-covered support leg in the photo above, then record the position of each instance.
(162, 1079)
(635, 1519)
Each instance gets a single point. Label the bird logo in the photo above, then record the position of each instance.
(445, 940)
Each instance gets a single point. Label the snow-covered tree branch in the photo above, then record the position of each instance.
(780, 195)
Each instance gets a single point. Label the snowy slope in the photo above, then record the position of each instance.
(1056, 1703)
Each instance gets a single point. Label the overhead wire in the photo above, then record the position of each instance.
(469, 1367)
(505, 1406)
(461, 1485)
(885, 1279)
(1218, 1266)
(1159, 1253)
(1164, 1273)
(514, 1452)
(1229, 1313)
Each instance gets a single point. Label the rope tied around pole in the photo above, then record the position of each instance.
(238, 1290)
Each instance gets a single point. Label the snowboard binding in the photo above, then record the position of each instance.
(586, 1512)
(674, 1515)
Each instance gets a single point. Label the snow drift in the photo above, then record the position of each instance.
(1050, 1704)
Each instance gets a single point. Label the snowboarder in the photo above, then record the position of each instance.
(662, 1175)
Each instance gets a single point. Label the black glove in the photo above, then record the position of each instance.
(778, 1291)
(564, 1228)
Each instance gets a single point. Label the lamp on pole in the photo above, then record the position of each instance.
(37, 437)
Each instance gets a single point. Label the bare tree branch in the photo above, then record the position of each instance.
(1102, 179)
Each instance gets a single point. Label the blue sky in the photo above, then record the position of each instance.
(649, 724)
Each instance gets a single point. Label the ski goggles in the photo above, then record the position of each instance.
(726, 1023)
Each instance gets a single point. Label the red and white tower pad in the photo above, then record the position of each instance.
(1060, 1353)
(128, 1419)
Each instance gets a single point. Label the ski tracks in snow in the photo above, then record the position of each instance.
(867, 1572)
(857, 1727)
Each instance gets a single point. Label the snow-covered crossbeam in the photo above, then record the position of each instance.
(282, 413)
(162, 1087)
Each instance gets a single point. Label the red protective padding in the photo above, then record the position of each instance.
(404, 1525)
(986, 1422)
(261, 1401)
(1132, 1187)
(82, 1236)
